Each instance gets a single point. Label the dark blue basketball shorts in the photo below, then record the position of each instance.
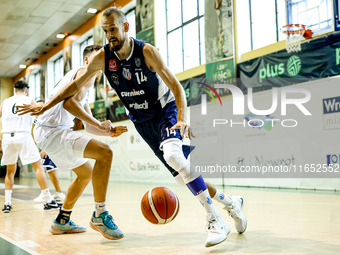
(157, 130)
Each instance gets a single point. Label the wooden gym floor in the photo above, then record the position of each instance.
(279, 222)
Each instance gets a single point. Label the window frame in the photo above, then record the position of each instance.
(183, 24)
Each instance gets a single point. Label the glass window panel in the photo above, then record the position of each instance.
(201, 6)
(191, 57)
(37, 86)
(202, 40)
(281, 18)
(191, 45)
(258, 12)
(175, 51)
(174, 14)
(263, 37)
(189, 9)
(131, 18)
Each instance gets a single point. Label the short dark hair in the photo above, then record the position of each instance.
(40, 100)
(88, 50)
(21, 85)
(118, 12)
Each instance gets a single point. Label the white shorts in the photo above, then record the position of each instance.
(19, 144)
(64, 146)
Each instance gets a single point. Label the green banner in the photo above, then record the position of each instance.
(99, 110)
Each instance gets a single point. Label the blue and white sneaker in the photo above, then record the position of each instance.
(235, 211)
(7, 209)
(68, 228)
(51, 206)
(48, 163)
(105, 225)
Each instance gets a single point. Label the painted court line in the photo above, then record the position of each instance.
(19, 245)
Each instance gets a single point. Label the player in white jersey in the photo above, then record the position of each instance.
(18, 141)
(70, 150)
(50, 169)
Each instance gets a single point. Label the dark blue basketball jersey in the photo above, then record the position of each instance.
(141, 90)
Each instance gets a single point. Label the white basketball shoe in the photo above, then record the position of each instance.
(59, 197)
(235, 211)
(39, 199)
(217, 229)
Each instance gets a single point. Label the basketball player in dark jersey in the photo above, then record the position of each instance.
(156, 103)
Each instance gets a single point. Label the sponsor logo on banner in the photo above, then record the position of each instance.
(138, 62)
(136, 106)
(331, 111)
(115, 78)
(126, 74)
(293, 68)
(132, 93)
(144, 166)
(112, 64)
(333, 159)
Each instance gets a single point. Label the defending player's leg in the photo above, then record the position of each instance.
(9, 182)
(49, 204)
(216, 227)
(101, 220)
(62, 224)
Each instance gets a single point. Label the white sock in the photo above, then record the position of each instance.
(100, 208)
(8, 197)
(47, 195)
(222, 198)
(207, 203)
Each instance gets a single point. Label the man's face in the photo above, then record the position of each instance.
(114, 31)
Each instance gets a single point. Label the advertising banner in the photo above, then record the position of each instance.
(319, 58)
(289, 132)
(219, 41)
(145, 24)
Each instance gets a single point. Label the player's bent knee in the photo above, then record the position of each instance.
(105, 153)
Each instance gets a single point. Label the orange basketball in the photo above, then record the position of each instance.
(160, 205)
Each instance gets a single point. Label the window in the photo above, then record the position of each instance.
(317, 15)
(185, 34)
(58, 69)
(266, 19)
(37, 85)
(131, 18)
(34, 83)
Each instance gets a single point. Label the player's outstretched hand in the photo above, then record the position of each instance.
(117, 131)
(29, 108)
(185, 129)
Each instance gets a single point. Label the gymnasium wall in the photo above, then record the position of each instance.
(313, 141)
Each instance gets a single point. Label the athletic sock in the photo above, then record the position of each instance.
(200, 191)
(8, 197)
(100, 208)
(47, 195)
(222, 198)
(63, 216)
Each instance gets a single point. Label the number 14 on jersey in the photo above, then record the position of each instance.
(140, 77)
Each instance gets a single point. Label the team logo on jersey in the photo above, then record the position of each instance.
(138, 62)
(115, 78)
(112, 64)
(126, 74)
